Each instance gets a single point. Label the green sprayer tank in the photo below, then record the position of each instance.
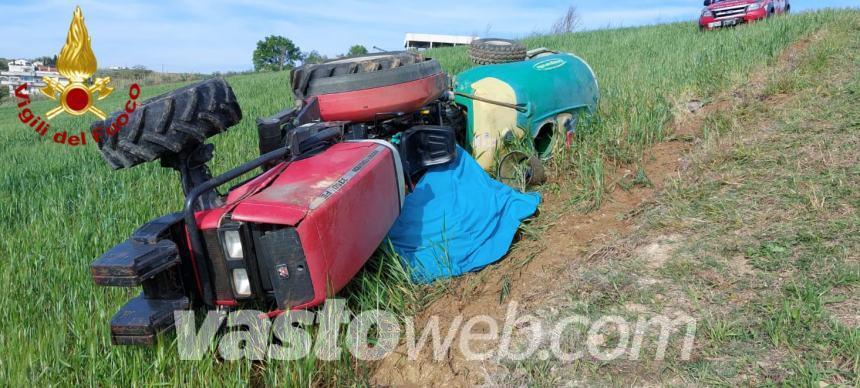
(542, 97)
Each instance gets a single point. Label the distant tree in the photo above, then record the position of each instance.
(4, 91)
(47, 61)
(314, 57)
(276, 53)
(138, 72)
(356, 50)
(567, 23)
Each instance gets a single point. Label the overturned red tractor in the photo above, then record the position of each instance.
(301, 229)
(335, 170)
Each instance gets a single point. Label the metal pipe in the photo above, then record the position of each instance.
(517, 107)
(197, 247)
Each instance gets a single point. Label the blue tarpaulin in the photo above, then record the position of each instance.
(458, 219)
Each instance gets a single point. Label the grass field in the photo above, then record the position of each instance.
(62, 206)
(758, 237)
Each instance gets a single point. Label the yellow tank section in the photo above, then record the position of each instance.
(492, 122)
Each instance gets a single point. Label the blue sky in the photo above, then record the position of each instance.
(206, 36)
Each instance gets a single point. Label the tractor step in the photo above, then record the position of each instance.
(131, 262)
(141, 320)
(157, 229)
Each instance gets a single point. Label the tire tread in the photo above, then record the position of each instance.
(170, 123)
(482, 52)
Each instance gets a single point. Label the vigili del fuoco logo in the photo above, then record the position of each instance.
(76, 91)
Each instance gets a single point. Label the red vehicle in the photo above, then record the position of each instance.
(727, 13)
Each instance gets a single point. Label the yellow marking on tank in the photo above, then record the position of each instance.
(490, 122)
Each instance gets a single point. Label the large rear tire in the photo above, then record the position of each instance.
(170, 123)
(493, 50)
(361, 72)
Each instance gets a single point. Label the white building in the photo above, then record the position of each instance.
(425, 41)
(21, 71)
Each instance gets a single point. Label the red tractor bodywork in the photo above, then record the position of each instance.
(728, 13)
(340, 203)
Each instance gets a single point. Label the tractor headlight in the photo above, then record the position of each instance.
(754, 6)
(706, 13)
(241, 283)
(233, 245)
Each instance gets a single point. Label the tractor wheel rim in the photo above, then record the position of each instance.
(514, 170)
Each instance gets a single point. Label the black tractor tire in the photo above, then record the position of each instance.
(361, 72)
(492, 50)
(170, 123)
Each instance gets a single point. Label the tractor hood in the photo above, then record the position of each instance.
(304, 185)
(290, 191)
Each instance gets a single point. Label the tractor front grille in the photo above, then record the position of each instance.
(730, 12)
(274, 260)
(283, 265)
